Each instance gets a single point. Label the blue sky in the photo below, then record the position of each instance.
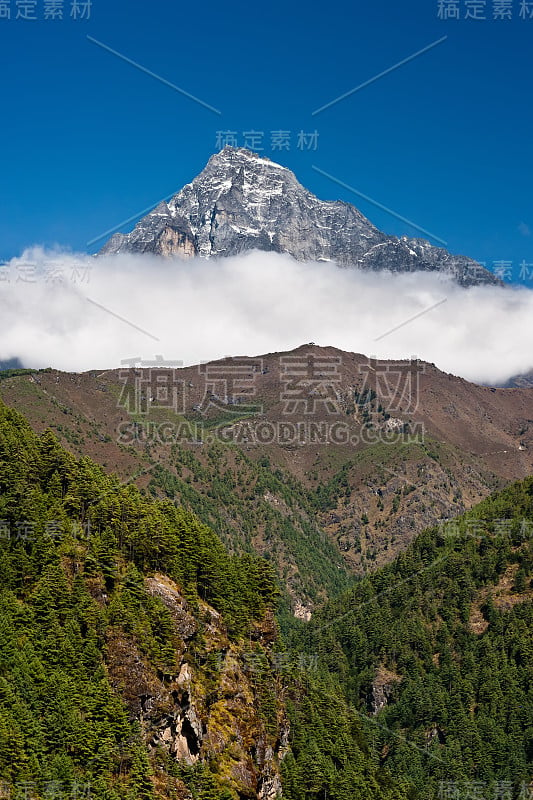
(444, 141)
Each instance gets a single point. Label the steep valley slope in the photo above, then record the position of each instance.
(328, 474)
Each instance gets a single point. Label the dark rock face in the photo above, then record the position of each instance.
(524, 381)
(241, 202)
(12, 363)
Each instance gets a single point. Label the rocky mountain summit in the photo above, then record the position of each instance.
(242, 201)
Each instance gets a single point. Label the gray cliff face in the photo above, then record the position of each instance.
(242, 201)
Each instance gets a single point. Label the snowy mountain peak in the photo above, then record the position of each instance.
(243, 201)
(240, 155)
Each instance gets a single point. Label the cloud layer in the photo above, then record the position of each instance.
(75, 313)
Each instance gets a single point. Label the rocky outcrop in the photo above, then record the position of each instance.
(382, 688)
(207, 708)
(302, 610)
(241, 202)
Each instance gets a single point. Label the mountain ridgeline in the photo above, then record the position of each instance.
(321, 512)
(242, 202)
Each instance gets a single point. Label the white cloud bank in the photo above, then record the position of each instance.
(252, 304)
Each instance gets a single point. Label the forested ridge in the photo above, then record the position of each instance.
(70, 536)
(235, 499)
(417, 679)
(76, 550)
(435, 651)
